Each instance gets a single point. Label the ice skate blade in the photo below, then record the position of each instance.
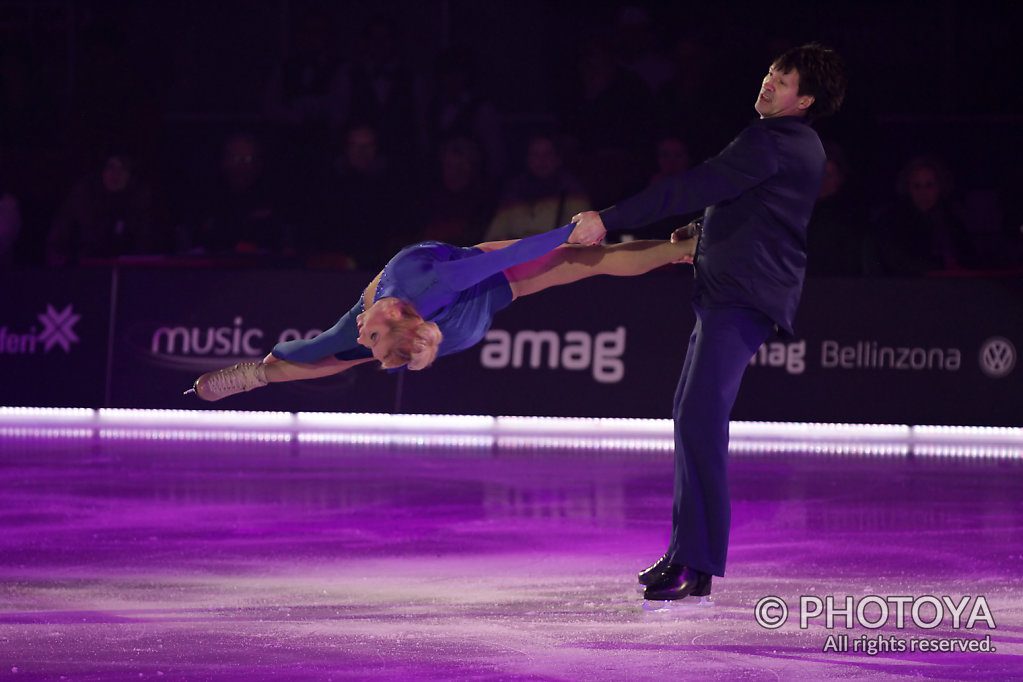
(190, 391)
(686, 604)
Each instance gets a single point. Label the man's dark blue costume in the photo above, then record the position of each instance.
(750, 264)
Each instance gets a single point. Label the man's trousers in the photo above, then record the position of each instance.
(721, 346)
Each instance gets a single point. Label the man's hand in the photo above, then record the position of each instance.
(589, 229)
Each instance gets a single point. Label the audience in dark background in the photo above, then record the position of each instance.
(606, 114)
(838, 232)
(922, 232)
(684, 101)
(457, 108)
(305, 100)
(1009, 228)
(459, 202)
(10, 217)
(244, 211)
(362, 209)
(671, 157)
(543, 196)
(115, 101)
(369, 130)
(385, 91)
(110, 212)
(637, 44)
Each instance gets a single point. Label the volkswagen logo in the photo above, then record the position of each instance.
(997, 357)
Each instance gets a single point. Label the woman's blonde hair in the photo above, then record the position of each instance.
(414, 341)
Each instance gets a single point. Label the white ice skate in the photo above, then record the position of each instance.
(237, 378)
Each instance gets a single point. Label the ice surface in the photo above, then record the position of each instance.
(288, 561)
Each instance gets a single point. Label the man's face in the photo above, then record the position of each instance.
(779, 95)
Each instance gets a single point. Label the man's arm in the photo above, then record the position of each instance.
(750, 159)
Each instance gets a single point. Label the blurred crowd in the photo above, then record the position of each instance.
(350, 159)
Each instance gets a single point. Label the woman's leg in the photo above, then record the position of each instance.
(570, 263)
(245, 376)
(276, 369)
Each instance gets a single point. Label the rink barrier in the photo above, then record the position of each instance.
(513, 432)
(941, 351)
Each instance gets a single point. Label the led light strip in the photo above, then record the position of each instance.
(473, 431)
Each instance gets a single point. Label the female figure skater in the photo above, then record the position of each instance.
(436, 299)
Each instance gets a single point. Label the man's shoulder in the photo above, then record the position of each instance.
(791, 134)
(754, 138)
(785, 126)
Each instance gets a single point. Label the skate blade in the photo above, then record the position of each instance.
(672, 605)
(190, 391)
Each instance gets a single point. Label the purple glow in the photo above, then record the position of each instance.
(472, 431)
(177, 557)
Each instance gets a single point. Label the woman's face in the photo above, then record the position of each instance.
(374, 326)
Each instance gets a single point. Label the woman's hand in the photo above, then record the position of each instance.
(687, 231)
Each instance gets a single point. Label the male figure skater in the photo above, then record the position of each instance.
(750, 263)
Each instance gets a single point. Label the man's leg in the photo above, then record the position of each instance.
(721, 347)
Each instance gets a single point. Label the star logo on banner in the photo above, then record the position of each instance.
(58, 328)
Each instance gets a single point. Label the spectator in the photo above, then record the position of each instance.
(363, 207)
(671, 159)
(681, 102)
(110, 212)
(458, 109)
(607, 117)
(115, 101)
(921, 232)
(305, 90)
(637, 47)
(836, 234)
(383, 91)
(243, 212)
(546, 195)
(457, 209)
(608, 107)
(306, 100)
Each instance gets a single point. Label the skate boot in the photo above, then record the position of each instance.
(238, 378)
